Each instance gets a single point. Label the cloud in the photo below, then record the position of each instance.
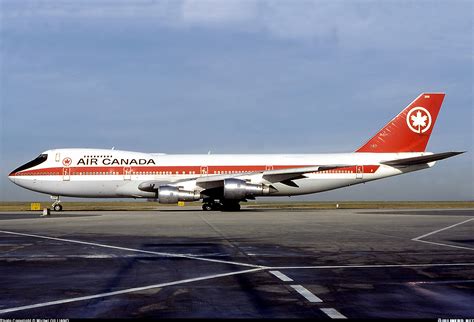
(349, 24)
(84, 8)
(207, 12)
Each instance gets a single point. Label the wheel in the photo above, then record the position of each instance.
(58, 207)
(207, 207)
(231, 206)
(216, 206)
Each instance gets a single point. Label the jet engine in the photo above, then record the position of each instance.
(236, 189)
(170, 195)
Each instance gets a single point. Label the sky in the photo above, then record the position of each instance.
(189, 76)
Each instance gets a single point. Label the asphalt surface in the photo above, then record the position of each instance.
(186, 263)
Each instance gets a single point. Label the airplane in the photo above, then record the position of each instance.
(223, 181)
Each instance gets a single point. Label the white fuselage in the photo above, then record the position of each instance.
(101, 173)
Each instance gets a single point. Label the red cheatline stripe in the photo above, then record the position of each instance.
(174, 170)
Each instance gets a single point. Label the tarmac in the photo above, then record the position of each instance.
(257, 263)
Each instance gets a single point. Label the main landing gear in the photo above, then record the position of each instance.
(223, 205)
(230, 206)
(56, 204)
(209, 206)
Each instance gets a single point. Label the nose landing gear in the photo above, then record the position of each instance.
(56, 204)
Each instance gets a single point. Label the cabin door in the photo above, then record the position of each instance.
(127, 173)
(359, 171)
(66, 174)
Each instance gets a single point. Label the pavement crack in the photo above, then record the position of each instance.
(231, 243)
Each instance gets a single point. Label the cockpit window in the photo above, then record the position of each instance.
(40, 159)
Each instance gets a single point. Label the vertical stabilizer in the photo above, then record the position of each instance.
(410, 130)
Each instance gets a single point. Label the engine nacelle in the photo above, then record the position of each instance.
(236, 189)
(170, 195)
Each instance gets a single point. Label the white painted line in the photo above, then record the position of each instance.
(442, 244)
(133, 250)
(371, 266)
(418, 239)
(130, 290)
(439, 230)
(307, 294)
(333, 313)
(281, 276)
(441, 282)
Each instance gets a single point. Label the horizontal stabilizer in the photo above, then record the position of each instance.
(421, 159)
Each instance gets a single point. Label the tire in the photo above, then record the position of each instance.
(216, 206)
(231, 206)
(58, 207)
(207, 207)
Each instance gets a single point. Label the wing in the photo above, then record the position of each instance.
(272, 176)
(284, 176)
(296, 173)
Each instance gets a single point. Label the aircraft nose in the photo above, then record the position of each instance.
(11, 176)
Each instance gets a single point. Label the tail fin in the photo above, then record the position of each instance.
(410, 130)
